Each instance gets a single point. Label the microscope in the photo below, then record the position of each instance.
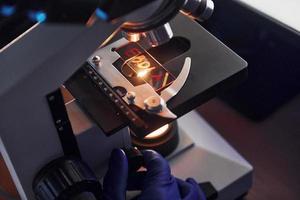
(90, 76)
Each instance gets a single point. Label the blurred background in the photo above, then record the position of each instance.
(261, 117)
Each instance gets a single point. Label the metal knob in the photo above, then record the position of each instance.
(153, 104)
(96, 60)
(131, 97)
(154, 37)
(132, 37)
(159, 35)
(198, 9)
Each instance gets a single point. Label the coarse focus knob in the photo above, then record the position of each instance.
(65, 179)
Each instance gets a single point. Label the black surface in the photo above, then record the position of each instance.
(270, 48)
(135, 159)
(84, 196)
(118, 8)
(215, 68)
(62, 123)
(209, 190)
(167, 10)
(12, 27)
(95, 103)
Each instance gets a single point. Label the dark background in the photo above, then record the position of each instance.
(261, 117)
(271, 146)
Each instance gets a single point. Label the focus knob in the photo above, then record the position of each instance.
(66, 179)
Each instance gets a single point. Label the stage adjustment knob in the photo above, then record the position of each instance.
(66, 179)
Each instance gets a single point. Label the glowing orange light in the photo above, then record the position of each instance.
(144, 65)
(142, 73)
(145, 72)
(158, 133)
(141, 62)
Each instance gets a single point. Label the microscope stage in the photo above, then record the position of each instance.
(214, 68)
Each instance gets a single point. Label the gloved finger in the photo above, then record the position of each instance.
(184, 188)
(158, 169)
(196, 187)
(135, 181)
(115, 180)
(190, 190)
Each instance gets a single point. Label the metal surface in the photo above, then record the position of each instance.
(96, 60)
(153, 104)
(211, 159)
(208, 12)
(159, 35)
(115, 79)
(132, 37)
(199, 9)
(154, 37)
(176, 86)
(131, 97)
(103, 87)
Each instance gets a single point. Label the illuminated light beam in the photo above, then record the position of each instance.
(37, 16)
(143, 73)
(165, 79)
(158, 133)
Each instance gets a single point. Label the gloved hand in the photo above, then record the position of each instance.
(115, 180)
(156, 183)
(159, 184)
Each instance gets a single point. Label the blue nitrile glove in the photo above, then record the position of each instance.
(190, 189)
(156, 183)
(159, 184)
(115, 180)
